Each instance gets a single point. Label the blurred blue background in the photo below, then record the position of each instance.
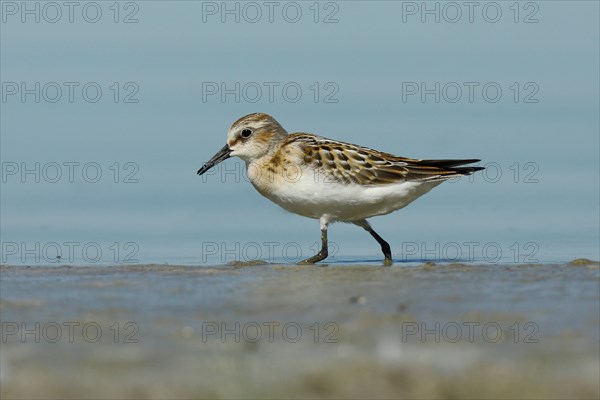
(538, 200)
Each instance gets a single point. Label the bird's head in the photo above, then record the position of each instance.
(249, 138)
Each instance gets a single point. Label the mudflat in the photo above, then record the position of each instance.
(282, 331)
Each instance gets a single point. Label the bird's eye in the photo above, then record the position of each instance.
(246, 133)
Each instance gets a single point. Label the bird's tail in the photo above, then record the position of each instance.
(438, 170)
(453, 167)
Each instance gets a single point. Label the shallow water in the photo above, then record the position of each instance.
(338, 330)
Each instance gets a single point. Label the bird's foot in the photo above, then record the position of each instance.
(320, 256)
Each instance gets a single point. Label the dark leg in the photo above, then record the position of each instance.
(321, 255)
(385, 247)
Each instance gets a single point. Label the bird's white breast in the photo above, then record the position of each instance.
(302, 191)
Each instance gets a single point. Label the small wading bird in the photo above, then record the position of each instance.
(329, 180)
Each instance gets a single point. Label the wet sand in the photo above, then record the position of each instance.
(280, 331)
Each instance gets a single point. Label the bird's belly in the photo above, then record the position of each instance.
(341, 202)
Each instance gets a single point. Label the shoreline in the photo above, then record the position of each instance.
(283, 331)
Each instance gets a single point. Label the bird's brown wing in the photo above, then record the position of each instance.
(351, 164)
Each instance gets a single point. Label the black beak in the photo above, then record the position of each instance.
(222, 155)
